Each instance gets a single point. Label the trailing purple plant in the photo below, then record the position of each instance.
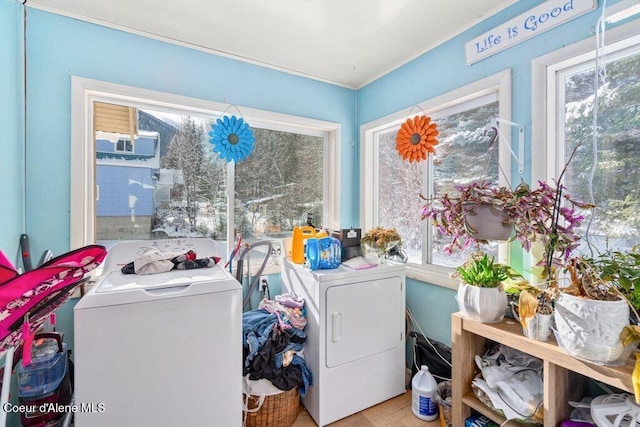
(546, 214)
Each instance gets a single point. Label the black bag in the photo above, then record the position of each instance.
(432, 353)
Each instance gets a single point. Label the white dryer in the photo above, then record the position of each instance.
(162, 349)
(355, 344)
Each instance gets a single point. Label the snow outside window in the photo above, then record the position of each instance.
(177, 186)
(392, 189)
(461, 157)
(615, 184)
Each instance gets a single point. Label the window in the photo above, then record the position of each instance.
(393, 185)
(614, 181)
(175, 185)
(124, 145)
(279, 184)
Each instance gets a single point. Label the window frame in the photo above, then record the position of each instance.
(125, 146)
(546, 123)
(546, 120)
(500, 84)
(84, 92)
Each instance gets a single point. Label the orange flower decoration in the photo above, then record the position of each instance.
(416, 138)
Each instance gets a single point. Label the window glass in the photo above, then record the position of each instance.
(176, 185)
(279, 184)
(615, 223)
(124, 145)
(462, 155)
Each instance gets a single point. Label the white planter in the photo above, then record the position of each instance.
(486, 223)
(486, 305)
(590, 329)
(539, 327)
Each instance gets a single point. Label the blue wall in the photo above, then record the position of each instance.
(60, 47)
(444, 69)
(12, 125)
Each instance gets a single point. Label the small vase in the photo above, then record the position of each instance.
(379, 254)
(485, 305)
(539, 327)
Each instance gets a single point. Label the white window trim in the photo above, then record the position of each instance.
(545, 165)
(125, 146)
(500, 83)
(85, 91)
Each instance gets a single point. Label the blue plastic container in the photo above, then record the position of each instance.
(323, 253)
(46, 371)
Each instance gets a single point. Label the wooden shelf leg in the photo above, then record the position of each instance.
(461, 375)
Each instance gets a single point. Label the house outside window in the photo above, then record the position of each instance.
(393, 186)
(175, 185)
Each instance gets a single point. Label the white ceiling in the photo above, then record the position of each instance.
(345, 42)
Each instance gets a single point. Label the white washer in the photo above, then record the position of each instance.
(162, 349)
(355, 344)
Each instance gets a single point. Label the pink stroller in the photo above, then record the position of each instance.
(27, 300)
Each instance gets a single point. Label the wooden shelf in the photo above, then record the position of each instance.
(472, 401)
(564, 375)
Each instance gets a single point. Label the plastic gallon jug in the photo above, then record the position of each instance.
(299, 235)
(423, 395)
(323, 253)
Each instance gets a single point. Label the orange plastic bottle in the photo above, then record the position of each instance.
(300, 234)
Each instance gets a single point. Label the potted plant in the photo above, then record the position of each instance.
(592, 313)
(534, 310)
(480, 294)
(530, 213)
(450, 213)
(382, 241)
(623, 269)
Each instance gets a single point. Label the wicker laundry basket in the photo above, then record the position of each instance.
(266, 406)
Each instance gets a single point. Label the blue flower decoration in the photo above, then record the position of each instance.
(232, 138)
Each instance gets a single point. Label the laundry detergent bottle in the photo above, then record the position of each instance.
(323, 253)
(423, 395)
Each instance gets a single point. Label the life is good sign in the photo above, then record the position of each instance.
(541, 18)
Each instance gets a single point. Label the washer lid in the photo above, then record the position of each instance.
(115, 288)
(123, 253)
(116, 281)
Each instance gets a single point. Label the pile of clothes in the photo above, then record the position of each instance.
(273, 338)
(154, 261)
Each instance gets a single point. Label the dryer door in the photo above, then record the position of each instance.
(363, 319)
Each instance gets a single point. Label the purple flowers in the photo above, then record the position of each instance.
(547, 215)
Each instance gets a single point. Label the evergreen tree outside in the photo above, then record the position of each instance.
(461, 156)
(616, 182)
(279, 183)
(186, 154)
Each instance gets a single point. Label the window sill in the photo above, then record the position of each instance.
(435, 275)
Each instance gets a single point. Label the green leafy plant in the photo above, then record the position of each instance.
(483, 271)
(607, 276)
